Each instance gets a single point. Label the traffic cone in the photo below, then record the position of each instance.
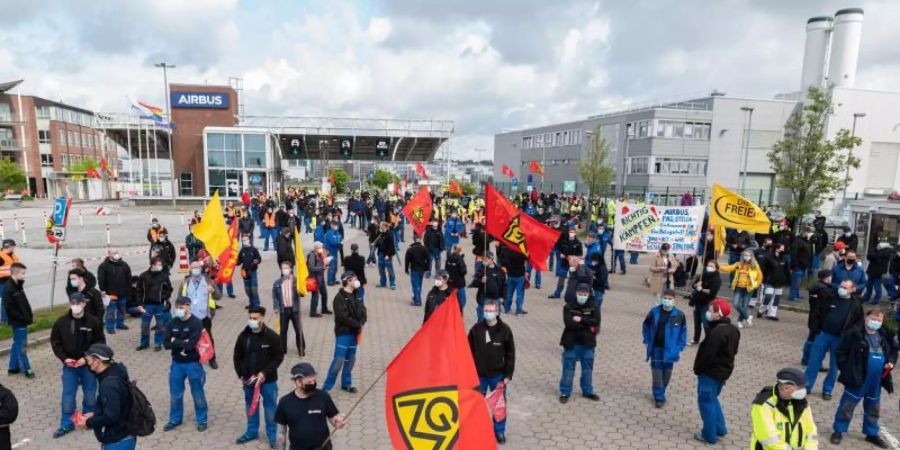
(182, 259)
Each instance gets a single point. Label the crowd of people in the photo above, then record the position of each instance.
(761, 268)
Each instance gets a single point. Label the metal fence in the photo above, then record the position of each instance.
(658, 195)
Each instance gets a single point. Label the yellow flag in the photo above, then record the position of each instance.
(302, 271)
(730, 210)
(719, 237)
(211, 229)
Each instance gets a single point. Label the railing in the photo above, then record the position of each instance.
(11, 145)
(10, 118)
(663, 196)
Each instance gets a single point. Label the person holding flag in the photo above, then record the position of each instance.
(494, 352)
(257, 355)
(305, 412)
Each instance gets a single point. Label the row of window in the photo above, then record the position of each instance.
(71, 138)
(666, 166)
(669, 129)
(236, 150)
(65, 115)
(557, 139)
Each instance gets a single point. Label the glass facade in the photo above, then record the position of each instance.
(238, 161)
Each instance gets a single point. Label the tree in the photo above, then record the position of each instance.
(382, 178)
(79, 168)
(806, 164)
(595, 170)
(11, 176)
(341, 177)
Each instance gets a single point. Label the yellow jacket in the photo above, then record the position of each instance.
(782, 424)
(755, 275)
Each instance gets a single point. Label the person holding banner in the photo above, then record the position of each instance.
(661, 270)
(747, 278)
(257, 355)
(494, 351)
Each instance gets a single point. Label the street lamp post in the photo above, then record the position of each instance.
(165, 67)
(746, 150)
(850, 154)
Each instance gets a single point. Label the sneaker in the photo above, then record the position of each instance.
(29, 374)
(775, 318)
(393, 288)
(564, 399)
(593, 397)
(877, 441)
(501, 439)
(327, 311)
(213, 364)
(350, 389)
(122, 327)
(759, 314)
(699, 437)
(521, 313)
(315, 315)
(826, 396)
(836, 438)
(202, 427)
(660, 403)
(141, 347)
(157, 348)
(113, 331)
(740, 324)
(553, 296)
(12, 372)
(245, 439)
(232, 296)
(62, 431)
(171, 426)
(693, 343)
(750, 320)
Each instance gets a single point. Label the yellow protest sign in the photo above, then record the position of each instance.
(731, 210)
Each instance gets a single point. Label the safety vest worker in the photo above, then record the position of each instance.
(782, 418)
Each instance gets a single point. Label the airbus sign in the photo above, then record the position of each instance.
(206, 100)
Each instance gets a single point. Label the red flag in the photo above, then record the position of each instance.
(456, 188)
(418, 210)
(507, 171)
(104, 165)
(536, 167)
(254, 401)
(420, 170)
(435, 373)
(92, 173)
(518, 230)
(228, 258)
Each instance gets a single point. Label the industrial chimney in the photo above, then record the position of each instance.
(845, 40)
(818, 31)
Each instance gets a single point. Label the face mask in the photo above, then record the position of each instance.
(572, 269)
(571, 235)
(77, 310)
(253, 324)
(667, 303)
(116, 256)
(873, 325)
(178, 313)
(155, 225)
(850, 262)
(438, 283)
(847, 234)
(490, 316)
(711, 269)
(245, 243)
(843, 292)
(356, 284)
(709, 237)
(73, 283)
(285, 272)
(709, 316)
(162, 239)
(581, 299)
(311, 387)
(799, 394)
(156, 268)
(746, 258)
(195, 271)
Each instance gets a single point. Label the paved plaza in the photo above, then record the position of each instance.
(624, 418)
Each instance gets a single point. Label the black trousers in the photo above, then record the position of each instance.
(292, 316)
(207, 325)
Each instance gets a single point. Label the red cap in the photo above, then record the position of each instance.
(723, 306)
(839, 245)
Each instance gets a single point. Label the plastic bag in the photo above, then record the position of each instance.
(205, 348)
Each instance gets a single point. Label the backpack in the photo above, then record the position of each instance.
(141, 419)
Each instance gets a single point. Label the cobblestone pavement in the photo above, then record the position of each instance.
(624, 418)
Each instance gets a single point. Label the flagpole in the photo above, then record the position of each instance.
(358, 401)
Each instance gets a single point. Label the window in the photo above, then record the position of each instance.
(216, 182)
(44, 136)
(638, 165)
(254, 150)
(643, 129)
(526, 142)
(629, 130)
(186, 183)
(674, 129)
(72, 140)
(215, 147)
(43, 112)
(548, 137)
(62, 137)
(679, 166)
(46, 160)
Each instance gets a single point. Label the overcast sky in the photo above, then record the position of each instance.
(489, 65)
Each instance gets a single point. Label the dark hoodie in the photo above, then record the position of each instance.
(110, 418)
(715, 357)
(114, 277)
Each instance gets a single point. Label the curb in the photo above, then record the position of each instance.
(31, 343)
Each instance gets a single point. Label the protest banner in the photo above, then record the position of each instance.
(644, 228)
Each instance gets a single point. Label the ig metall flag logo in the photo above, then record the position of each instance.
(428, 418)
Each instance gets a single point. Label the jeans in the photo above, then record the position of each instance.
(386, 270)
(584, 355)
(434, 261)
(461, 298)
(618, 255)
(162, 319)
(823, 343)
(633, 256)
(415, 277)
(536, 279)
(797, 276)
(321, 292)
(268, 396)
(196, 376)
(71, 379)
(332, 269)
(344, 358)
(116, 308)
(869, 393)
(3, 318)
(661, 373)
(267, 234)
(292, 316)
(700, 321)
(491, 383)
(598, 297)
(807, 347)
(251, 287)
(560, 285)
(873, 284)
(18, 354)
(553, 255)
(227, 288)
(742, 303)
(514, 285)
(127, 443)
(361, 294)
(708, 390)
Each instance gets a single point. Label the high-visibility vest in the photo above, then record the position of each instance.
(269, 220)
(5, 262)
(210, 301)
(774, 428)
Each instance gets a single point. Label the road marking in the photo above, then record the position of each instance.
(894, 442)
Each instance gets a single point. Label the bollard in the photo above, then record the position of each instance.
(119, 214)
(24, 237)
(182, 217)
(15, 222)
(80, 218)
(45, 217)
(108, 240)
(2, 231)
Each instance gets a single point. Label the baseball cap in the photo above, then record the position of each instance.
(302, 370)
(77, 297)
(723, 307)
(790, 375)
(347, 275)
(182, 301)
(9, 243)
(583, 287)
(839, 245)
(441, 274)
(100, 351)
